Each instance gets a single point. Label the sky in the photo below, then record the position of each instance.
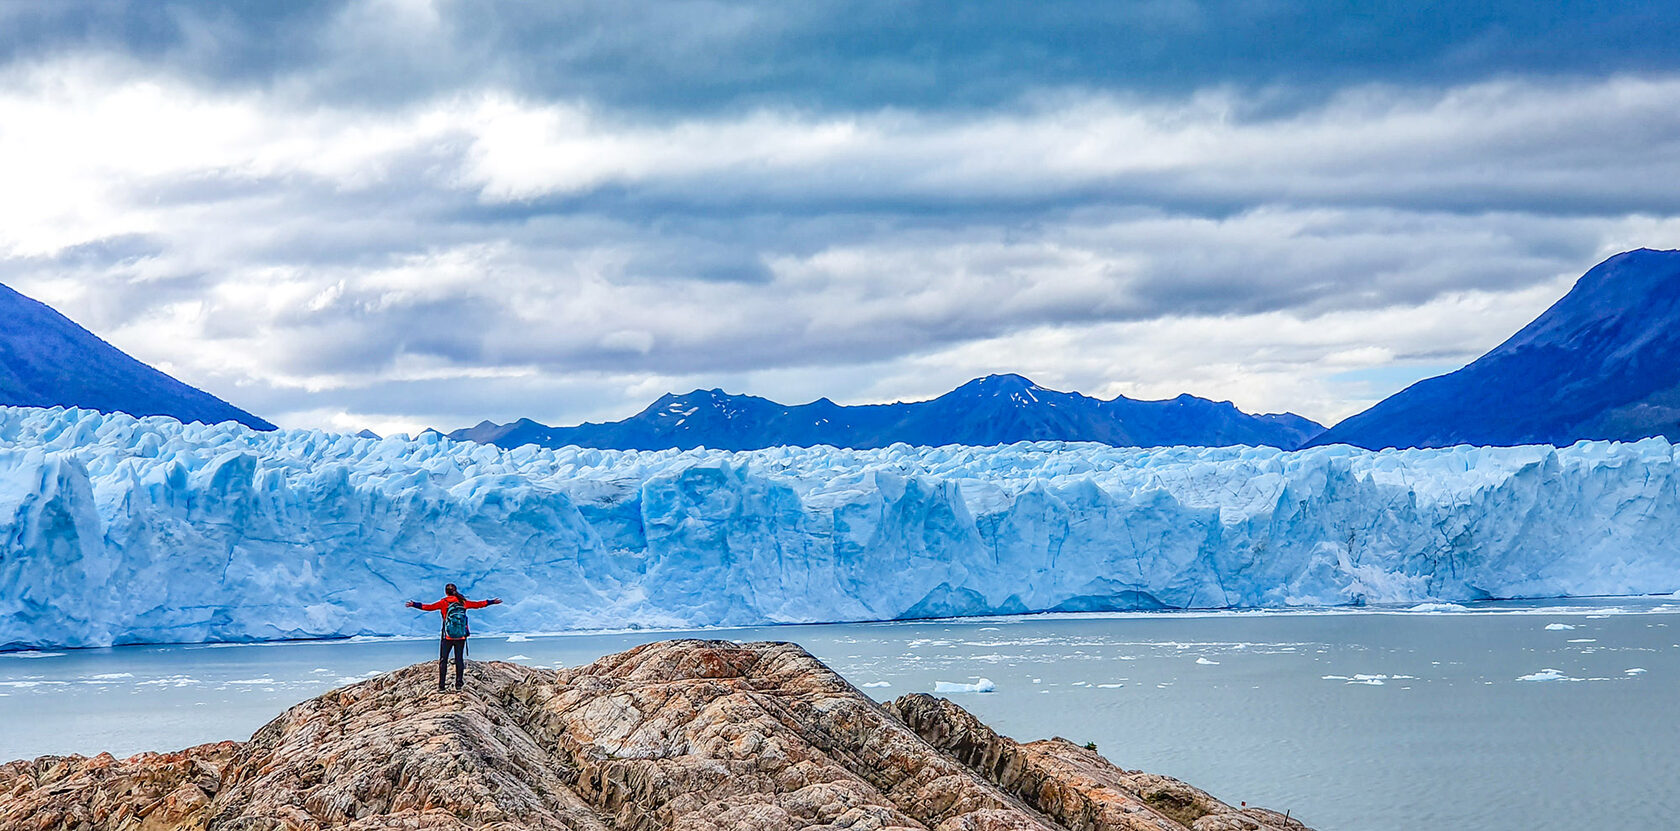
(403, 214)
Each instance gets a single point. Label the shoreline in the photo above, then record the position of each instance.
(1475, 607)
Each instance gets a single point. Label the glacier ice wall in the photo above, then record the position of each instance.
(122, 530)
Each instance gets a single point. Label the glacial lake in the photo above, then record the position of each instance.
(1513, 715)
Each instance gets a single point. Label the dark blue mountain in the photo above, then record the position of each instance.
(997, 409)
(1602, 363)
(46, 360)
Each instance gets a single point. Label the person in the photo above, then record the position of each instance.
(452, 641)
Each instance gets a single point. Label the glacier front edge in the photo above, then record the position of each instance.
(122, 530)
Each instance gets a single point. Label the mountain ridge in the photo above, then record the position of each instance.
(994, 409)
(48, 360)
(1603, 362)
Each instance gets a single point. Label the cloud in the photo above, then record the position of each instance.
(696, 56)
(1490, 146)
(484, 252)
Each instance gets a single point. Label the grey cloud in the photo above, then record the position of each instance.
(710, 55)
(106, 252)
(363, 333)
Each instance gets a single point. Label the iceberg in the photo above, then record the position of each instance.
(983, 685)
(122, 530)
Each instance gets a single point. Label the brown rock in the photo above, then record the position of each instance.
(1074, 785)
(685, 735)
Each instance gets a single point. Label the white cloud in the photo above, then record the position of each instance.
(1267, 362)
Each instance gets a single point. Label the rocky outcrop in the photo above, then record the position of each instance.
(1073, 785)
(685, 735)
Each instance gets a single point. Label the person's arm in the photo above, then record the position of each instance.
(432, 606)
(479, 604)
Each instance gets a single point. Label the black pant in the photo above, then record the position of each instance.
(444, 647)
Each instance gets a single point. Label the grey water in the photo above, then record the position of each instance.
(1501, 716)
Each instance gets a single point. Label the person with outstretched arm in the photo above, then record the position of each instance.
(453, 606)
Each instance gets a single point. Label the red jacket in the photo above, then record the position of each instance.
(441, 605)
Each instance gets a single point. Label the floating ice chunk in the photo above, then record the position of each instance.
(1546, 675)
(1558, 627)
(1110, 686)
(1634, 671)
(517, 658)
(518, 638)
(1582, 640)
(32, 653)
(877, 684)
(983, 685)
(263, 680)
(1207, 663)
(1438, 607)
(1373, 680)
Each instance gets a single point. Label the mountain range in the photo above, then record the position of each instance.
(46, 360)
(996, 409)
(1601, 363)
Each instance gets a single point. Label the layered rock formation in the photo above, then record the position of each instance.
(1072, 784)
(674, 735)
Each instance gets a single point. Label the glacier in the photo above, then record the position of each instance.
(122, 530)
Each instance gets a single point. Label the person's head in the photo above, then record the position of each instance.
(449, 590)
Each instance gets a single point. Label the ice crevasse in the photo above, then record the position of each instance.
(123, 530)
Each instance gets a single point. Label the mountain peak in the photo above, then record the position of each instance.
(699, 396)
(998, 384)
